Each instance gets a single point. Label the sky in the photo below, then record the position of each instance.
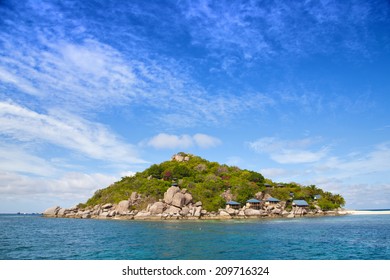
(92, 91)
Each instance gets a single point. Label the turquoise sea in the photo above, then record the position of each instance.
(355, 237)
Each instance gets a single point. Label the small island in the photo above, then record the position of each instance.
(189, 187)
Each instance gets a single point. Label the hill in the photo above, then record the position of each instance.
(211, 183)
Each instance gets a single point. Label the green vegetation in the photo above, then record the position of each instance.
(206, 181)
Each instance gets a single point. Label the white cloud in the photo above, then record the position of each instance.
(65, 130)
(206, 141)
(70, 188)
(171, 141)
(286, 152)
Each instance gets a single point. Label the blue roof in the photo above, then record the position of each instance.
(317, 196)
(253, 201)
(300, 203)
(231, 202)
(271, 199)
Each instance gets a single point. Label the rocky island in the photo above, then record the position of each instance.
(188, 187)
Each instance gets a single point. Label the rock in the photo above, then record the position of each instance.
(259, 195)
(183, 191)
(285, 213)
(157, 208)
(62, 212)
(169, 194)
(198, 211)
(241, 213)
(133, 196)
(199, 203)
(142, 214)
(343, 212)
(230, 211)
(291, 215)
(187, 198)
(186, 158)
(276, 211)
(123, 206)
(266, 196)
(203, 212)
(103, 214)
(111, 213)
(86, 216)
(185, 211)
(224, 213)
(172, 210)
(52, 211)
(107, 206)
(252, 212)
(178, 200)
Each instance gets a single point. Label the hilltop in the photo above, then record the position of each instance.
(187, 185)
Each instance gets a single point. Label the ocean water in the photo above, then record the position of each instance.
(355, 237)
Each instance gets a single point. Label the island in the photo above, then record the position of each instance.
(188, 187)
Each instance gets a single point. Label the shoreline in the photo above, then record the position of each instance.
(368, 212)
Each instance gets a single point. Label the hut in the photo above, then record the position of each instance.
(233, 204)
(253, 203)
(317, 197)
(300, 203)
(272, 200)
(174, 184)
(268, 186)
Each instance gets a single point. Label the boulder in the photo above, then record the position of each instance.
(142, 214)
(199, 203)
(291, 215)
(172, 210)
(86, 216)
(276, 211)
(62, 212)
(241, 213)
(252, 212)
(178, 200)
(134, 196)
(223, 213)
(123, 206)
(187, 198)
(185, 210)
(231, 211)
(52, 211)
(107, 206)
(198, 211)
(169, 194)
(157, 208)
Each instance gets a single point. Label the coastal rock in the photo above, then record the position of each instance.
(86, 216)
(276, 211)
(62, 212)
(198, 211)
(142, 214)
(178, 200)
(169, 194)
(123, 206)
(291, 215)
(107, 206)
(157, 208)
(172, 210)
(52, 211)
(252, 212)
(224, 213)
(184, 211)
(187, 198)
(231, 211)
(199, 203)
(241, 213)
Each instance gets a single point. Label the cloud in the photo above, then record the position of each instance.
(68, 131)
(289, 152)
(71, 188)
(171, 141)
(251, 31)
(205, 141)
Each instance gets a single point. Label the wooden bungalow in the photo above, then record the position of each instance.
(300, 203)
(233, 204)
(253, 203)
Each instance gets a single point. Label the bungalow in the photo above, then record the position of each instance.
(233, 204)
(253, 203)
(317, 197)
(174, 184)
(267, 186)
(273, 200)
(300, 203)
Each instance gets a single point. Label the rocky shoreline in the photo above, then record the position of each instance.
(178, 204)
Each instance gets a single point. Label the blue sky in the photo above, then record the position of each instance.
(91, 91)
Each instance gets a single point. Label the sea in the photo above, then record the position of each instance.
(350, 237)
